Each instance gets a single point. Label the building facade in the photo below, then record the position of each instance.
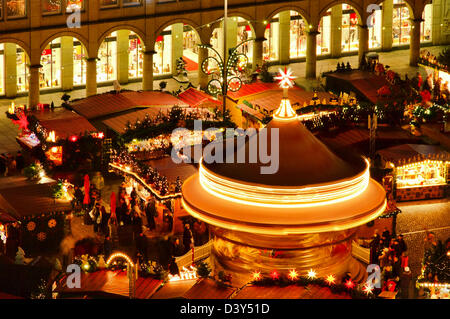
(66, 44)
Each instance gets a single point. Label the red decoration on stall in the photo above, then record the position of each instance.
(113, 206)
(87, 186)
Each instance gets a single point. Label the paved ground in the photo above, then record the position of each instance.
(415, 219)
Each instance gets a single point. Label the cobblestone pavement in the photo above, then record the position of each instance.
(415, 219)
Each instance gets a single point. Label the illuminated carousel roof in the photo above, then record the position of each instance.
(313, 190)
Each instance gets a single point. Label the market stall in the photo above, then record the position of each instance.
(421, 171)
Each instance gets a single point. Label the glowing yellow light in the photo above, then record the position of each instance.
(287, 197)
(285, 111)
(120, 255)
(186, 274)
(368, 288)
(293, 274)
(54, 149)
(12, 108)
(51, 137)
(256, 275)
(331, 279)
(312, 274)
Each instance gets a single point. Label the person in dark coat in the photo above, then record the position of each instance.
(402, 243)
(374, 248)
(151, 213)
(20, 161)
(188, 239)
(386, 235)
(177, 248)
(104, 227)
(173, 267)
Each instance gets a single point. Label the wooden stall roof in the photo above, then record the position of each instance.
(413, 151)
(253, 88)
(118, 123)
(197, 98)
(288, 292)
(65, 123)
(31, 200)
(168, 168)
(113, 283)
(110, 103)
(208, 288)
(174, 289)
(5, 217)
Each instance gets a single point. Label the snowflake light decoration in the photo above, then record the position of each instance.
(286, 78)
(41, 236)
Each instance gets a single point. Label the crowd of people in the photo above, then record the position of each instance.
(390, 253)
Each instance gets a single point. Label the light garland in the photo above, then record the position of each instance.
(120, 255)
(187, 274)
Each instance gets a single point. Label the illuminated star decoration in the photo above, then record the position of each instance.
(286, 78)
(257, 275)
(368, 288)
(312, 274)
(22, 122)
(274, 274)
(293, 275)
(349, 284)
(331, 279)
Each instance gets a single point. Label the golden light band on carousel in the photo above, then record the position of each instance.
(285, 112)
(273, 229)
(284, 197)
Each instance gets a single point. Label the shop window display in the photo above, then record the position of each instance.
(135, 57)
(2, 69)
(244, 33)
(270, 46)
(401, 25)
(190, 44)
(426, 24)
(350, 37)
(298, 30)
(107, 64)
(163, 57)
(51, 6)
(375, 29)
(79, 63)
(22, 63)
(74, 5)
(426, 173)
(50, 74)
(323, 38)
(15, 8)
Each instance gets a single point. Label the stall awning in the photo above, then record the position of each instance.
(31, 200)
(413, 153)
(288, 292)
(101, 105)
(208, 288)
(196, 98)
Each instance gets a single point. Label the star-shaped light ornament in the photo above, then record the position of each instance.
(368, 288)
(293, 274)
(286, 78)
(312, 274)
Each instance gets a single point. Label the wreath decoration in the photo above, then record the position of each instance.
(41, 236)
(31, 226)
(52, 223)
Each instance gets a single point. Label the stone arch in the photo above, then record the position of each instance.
(129, 27)
(18, 42)
(410, 6)
(299, 10)
(75, 35)
(358, 9)
(194, 25)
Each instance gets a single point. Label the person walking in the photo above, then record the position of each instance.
(188, 239)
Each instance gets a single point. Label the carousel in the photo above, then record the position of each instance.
(302, 217)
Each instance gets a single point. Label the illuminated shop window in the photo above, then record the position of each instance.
(131, 2)
(51, 6)
(426, 173)
(50, 73)
(190, 45)
(350, 37)
(23, 72)
(298, 30)
(79, 63)
(107, 65)
(401, 25)
(426, 25)
(244, 33)
(270, 46)
(15, 8)
(2, 69)
(135, 57)
(324, 36)
(74, 5)
(375, 27)
(163, 57)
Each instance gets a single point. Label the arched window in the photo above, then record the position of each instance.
(350, 37)
(298, 35)
(50, 73)
(401, 25)
(107, 54)
(426, 24)
(324, 36)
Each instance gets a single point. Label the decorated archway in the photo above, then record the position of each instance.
(131, 271)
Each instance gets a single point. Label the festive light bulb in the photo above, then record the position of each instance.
(275, 275)
(312, 274)
(368, 288)
(257, 275)
(331, 279)
(293, 274)
(349, 284)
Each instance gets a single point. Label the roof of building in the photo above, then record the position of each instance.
(288, 292)
(31, 200)
(208, 288)
(65, 123)
(252, 88)
(197, 98)
(409, 151)
(110, 103)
